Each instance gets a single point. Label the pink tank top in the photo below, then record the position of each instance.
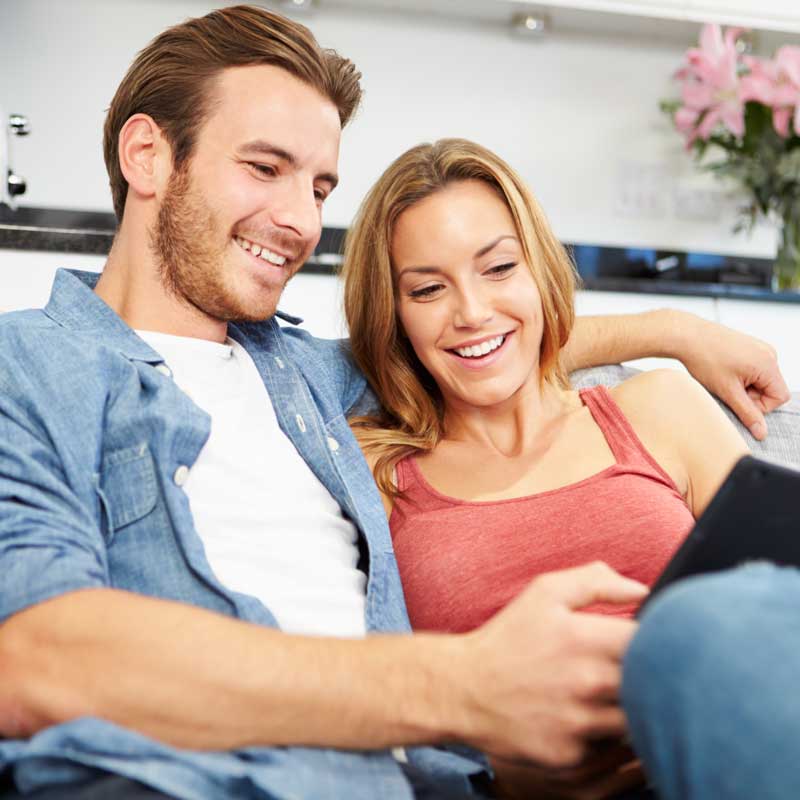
(461, 561)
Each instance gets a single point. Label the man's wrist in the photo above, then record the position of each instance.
(444, 710)
(676, 333)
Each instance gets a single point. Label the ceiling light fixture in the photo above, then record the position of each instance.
(529, 24)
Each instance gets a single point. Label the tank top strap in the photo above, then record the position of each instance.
(405, 474)
(622, 439)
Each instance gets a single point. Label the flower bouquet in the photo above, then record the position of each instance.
(740, 116)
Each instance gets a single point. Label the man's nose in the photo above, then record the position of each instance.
(296, 209)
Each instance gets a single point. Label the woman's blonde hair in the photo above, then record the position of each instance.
(412, 415)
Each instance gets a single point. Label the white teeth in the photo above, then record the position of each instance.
(261, 252)
(273, 258)
(476, 350)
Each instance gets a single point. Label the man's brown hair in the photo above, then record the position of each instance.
(170, 80)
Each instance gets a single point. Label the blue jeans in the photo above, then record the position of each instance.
(711, 687)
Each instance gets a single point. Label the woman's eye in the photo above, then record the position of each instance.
(425, 292)
(501, 269)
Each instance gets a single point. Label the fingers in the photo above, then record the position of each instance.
(742, 403)
(591, 583)
(603, 758)
(613, 784)
(772, 389)
(605, 773)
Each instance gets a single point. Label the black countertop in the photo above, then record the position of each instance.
(610, 269)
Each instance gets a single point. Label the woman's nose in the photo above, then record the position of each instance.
(472, 310)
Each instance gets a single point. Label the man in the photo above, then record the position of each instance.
(184, 514)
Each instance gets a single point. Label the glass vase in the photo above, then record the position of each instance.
(786, 272)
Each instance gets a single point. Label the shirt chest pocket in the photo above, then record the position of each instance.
(127, 486)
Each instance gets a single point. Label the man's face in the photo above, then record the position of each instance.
(243, 215)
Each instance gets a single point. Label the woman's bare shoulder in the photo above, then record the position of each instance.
(679, 418)
(664, 397)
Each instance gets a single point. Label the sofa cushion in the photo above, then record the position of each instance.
(782, 445)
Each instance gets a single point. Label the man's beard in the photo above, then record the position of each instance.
(189, 247)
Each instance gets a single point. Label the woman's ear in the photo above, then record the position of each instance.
(145, 156)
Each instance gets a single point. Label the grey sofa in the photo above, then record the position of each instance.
(782, 445)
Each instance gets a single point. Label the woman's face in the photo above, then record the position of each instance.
(465, 296)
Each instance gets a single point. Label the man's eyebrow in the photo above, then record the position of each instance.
(260, 147)
(486, 248)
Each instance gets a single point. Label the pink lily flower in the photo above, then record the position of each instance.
(710, 89)
(776, 84)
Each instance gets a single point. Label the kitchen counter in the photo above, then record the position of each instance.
(608, 269)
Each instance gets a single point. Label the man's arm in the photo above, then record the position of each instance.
(741, 370)
(539, 681)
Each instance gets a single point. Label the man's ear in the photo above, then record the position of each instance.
(145, 156)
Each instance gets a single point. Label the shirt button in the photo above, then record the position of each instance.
(333, 444)
(301, 423)
(164, 370)
(279, 362)
(181, 474)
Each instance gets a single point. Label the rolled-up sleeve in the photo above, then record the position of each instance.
(50, 539)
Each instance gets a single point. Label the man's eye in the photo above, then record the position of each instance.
(320, 195)
(263, 169)
(501, 269)
(425, 292)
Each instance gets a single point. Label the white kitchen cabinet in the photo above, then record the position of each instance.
(27, 275)
(776, 323)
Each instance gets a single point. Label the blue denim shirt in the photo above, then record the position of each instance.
(92, 431)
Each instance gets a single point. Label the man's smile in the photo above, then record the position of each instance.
(260, 251)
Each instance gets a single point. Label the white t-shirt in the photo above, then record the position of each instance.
(269, 527)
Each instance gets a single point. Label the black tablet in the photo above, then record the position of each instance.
(755, 516)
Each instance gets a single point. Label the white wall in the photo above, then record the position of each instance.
(576, 114)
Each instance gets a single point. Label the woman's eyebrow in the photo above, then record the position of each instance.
(434, 270)
(486, 248)
(419, 270)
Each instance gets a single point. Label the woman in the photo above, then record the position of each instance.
(459, 300)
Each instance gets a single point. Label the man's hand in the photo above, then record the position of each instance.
(739, 369)
(540, 681)
(609, 769)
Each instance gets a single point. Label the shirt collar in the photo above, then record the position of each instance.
(73, 304)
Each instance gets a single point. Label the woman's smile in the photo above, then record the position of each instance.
(486, 353)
